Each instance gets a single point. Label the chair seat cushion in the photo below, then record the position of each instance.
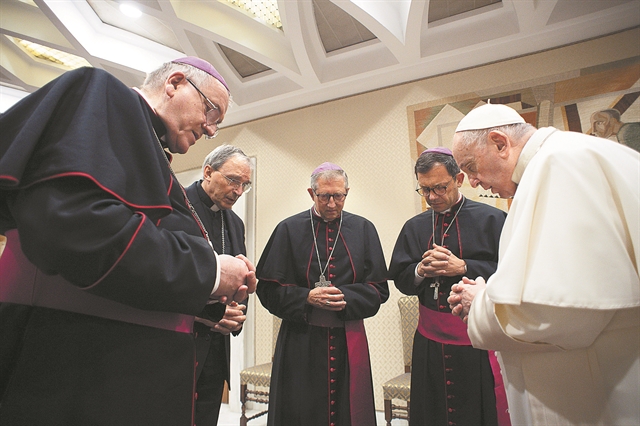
(258, 375)
(398, 388)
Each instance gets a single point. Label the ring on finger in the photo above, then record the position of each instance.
(328, 303)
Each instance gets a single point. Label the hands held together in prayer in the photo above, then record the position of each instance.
(232, 320)
(440, 261)
(462, 294)
(329, 298)
(237, 279)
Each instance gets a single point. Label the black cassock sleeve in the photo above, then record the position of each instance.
(68, 226)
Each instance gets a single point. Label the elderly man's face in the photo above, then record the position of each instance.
(331, 209)
(487, 166)
(224, 186)
(438, 179)
(185, 111)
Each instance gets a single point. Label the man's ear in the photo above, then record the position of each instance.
(206, 175)
(310, 191)
(173, 81)
(501, 142)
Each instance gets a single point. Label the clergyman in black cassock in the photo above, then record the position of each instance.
(226, 176)
(322, 271)
(451, 382)
(100, 229)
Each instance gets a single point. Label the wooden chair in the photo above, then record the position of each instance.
(400, 387)
(259, 376)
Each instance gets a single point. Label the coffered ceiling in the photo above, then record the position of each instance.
(284, 54)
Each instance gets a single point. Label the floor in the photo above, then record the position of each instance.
(229, 418)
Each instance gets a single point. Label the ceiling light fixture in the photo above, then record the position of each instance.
(265, 11)
(52, 55)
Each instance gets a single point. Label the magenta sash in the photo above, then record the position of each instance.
(445, 328)
(442, 327)
(23, 283)
(360, 385)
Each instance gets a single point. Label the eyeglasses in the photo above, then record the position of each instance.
(337, 197)
(212, 112)
(438, 190)
(236, 184)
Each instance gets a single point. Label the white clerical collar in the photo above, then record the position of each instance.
(318, 214)
(529, 150)
(215, 208)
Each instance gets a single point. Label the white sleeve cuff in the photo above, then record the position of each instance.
(217, 283)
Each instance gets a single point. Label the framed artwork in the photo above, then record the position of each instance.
(603, 101)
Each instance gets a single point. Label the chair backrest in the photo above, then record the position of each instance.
(409, 313)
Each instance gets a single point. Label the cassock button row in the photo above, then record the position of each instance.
(332, 276)
(449, 383)
(333, 380)
(333, 402)
(330, 239)
(442, 306)
(331, 265)
(331, 348)
(333, 391)
(448, 370)
(451, 410)
(332, 337)
(450, 396)
(447, 356)
(332, 424)
(333, 413)
(333, 358)
(451, 424)
(333, 370)
(445, 224)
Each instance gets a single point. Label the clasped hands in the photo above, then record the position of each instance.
(237, 279)
(329, 298)
(232, 320)
(440, 261)
(462, 295)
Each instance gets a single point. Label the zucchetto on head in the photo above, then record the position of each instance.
(437, 150)
(203, 65)
(324, 167)
(488, 116)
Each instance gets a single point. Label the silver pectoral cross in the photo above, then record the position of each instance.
(436, 286)
(323, 282)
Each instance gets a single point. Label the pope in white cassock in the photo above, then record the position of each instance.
(563, 307)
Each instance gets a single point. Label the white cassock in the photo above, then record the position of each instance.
(563, 308)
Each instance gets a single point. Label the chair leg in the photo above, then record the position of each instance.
(243, 400)
(387, 411)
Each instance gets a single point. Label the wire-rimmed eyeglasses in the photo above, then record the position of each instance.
(212, 112)
(236, 184)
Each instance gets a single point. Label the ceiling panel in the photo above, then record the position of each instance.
(325, 50)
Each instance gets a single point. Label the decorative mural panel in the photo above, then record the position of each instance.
(601, 100)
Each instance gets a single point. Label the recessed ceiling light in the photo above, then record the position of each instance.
(130, 10)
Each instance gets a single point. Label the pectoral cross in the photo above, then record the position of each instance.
(436, 287)
(323, 282)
